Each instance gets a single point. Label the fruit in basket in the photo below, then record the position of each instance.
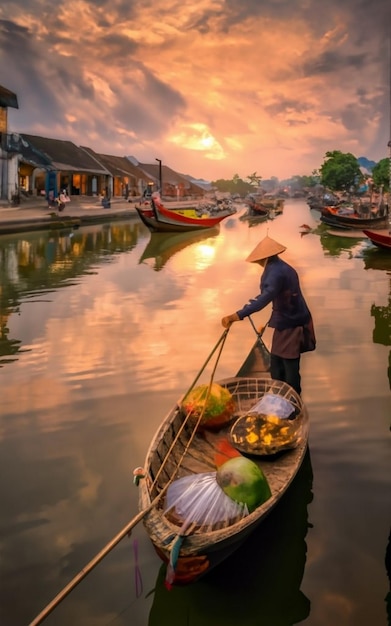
(265, 434)
(213, 405)
(243, 481)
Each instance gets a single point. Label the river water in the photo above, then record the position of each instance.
(103, 328)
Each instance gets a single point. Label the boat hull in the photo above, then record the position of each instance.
(204, 548)
(159, 219)
(332, 217)
(381, 238)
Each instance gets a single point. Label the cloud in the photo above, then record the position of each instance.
(213, 88)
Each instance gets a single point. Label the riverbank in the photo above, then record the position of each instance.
(34, 214)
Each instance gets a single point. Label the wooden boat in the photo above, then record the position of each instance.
(256, 207)
(347, 217)
(160, 219)
(240, 580)
(179, 450)
(381, 238)
(254, 218)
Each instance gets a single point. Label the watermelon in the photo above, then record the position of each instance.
(243, 481)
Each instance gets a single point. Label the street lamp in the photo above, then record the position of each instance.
(160, 176)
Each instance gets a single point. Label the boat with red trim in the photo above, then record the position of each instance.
(381, 238)
(158, 218)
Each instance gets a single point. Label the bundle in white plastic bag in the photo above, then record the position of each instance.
(273, 404)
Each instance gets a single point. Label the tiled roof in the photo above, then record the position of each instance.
(168, 175)
(116, 165)
(65, 155)
(30, 154)
(8, 98)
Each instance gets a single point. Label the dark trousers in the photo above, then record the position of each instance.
(287, 370)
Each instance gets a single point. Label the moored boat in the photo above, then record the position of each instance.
(348, 217)
(180, 451)
(381, 238)
(158, 218)
(259, 205)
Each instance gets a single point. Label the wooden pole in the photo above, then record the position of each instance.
(109, 546)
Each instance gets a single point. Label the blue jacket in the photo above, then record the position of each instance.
(279, 285)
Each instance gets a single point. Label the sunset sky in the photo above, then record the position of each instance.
(212, 88)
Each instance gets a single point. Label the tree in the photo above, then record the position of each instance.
(340, 171)
(381, 174)
(234, 186)
(254, 179)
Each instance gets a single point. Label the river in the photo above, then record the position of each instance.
(102, 329)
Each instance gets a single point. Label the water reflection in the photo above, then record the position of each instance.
(260, 583)
(335, 245)
(377, 259)
(162, 246)
(107, 358)
(39, 262)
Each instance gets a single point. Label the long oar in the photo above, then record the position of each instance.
(125, 531)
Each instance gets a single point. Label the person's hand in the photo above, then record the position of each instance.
(230, 319)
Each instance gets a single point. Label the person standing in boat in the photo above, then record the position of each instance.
(290, 318)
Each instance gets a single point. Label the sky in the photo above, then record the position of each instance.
(212, 88)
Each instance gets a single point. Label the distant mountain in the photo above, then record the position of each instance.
(366, 164)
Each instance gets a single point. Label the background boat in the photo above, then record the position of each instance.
(381, 238)
(348, 218)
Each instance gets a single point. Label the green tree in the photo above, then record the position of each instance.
(340, 171)
(234, 186)
(255, 180)
(381, 174)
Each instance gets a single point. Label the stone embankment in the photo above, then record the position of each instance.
(34, 213)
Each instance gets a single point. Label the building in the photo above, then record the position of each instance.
(31, 165)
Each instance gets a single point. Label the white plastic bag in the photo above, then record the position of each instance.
(273, 404)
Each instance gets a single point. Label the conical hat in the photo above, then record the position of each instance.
(266, 248)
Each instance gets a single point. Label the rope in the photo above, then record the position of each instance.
(137, 518)
(187, 416)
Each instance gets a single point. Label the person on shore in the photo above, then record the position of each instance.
(290, 318)
(62, 199)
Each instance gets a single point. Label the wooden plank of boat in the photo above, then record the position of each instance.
(177, 450)
(381, 238)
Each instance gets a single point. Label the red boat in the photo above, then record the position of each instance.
(160, 219)
(381, 238)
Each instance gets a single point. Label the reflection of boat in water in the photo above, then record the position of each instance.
(377, 259)
(335, 245)
(260, 583)
(162, 246)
